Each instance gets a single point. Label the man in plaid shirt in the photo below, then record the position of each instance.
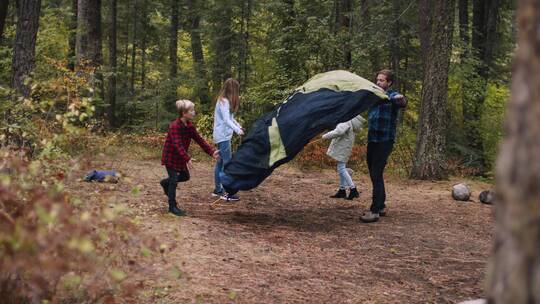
(175, 156)
(381, 135)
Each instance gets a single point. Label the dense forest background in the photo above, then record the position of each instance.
(119, 65)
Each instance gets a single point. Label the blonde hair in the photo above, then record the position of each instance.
(184, 105)
(230, 90)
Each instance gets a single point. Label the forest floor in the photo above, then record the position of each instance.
(288, 242)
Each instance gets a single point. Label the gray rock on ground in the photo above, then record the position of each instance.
(487, 197)
(461, 192)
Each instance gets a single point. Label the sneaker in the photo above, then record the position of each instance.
(353, 194)
(230, 197)
(216, 193)
(339, 194)
(369, 217)
(382, 212)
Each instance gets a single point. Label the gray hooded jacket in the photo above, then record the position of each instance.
(343, 138)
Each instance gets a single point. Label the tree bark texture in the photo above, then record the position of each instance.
(112, 62)
(430, 145)
(89, 32)
(345, 22)
(173, 41)
(222, 46)
(514, 272)
(463, 11)
(24, 50)
(425, 12)
(395, 54)
(4, 5)
(72, 53)
(485, 20)
(134, 45)
(201, 80)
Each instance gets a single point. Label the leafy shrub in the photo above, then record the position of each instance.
(51, 248)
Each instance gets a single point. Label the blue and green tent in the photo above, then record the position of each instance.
(278, 136)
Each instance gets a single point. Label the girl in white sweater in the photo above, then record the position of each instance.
(340, 149)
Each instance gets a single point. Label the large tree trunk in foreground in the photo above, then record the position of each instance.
(430, 144)
(515, 265)
(24, 50)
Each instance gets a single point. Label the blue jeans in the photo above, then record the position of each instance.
(345, 180)
(225, 155)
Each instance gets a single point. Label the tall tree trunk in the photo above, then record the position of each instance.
(425, 12)
(25, 44)
(336, 14)
(485, 20)
(89, 32)
(246, 17)
(463, 9)
(4, 5)
(288, 60)
(484, 40)
(201, 77)
(173, 41)
(365, 25)
(430, 145)
(144, 28)
(112, 62)
(345, 23)
(222, 45)
(515, 263)
(395, 54)
(72, 55)
(126, 46)
(134, 46)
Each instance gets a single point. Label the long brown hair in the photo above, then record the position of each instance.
(230, 90)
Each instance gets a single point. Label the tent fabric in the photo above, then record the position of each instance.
(278, 136)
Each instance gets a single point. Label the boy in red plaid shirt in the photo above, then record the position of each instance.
(175, 156)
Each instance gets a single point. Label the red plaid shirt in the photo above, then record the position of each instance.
(177, 145)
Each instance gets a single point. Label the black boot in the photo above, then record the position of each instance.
(175, 210)
(340, 194)
(353, 194)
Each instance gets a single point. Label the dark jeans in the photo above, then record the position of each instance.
(377, 156)
(169, 184)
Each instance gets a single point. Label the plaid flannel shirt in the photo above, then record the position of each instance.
(382, 120)
(175, 150)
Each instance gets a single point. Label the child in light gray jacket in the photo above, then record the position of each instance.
(340, 149)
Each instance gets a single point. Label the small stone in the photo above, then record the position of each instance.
(487, 197)
(461, 192)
